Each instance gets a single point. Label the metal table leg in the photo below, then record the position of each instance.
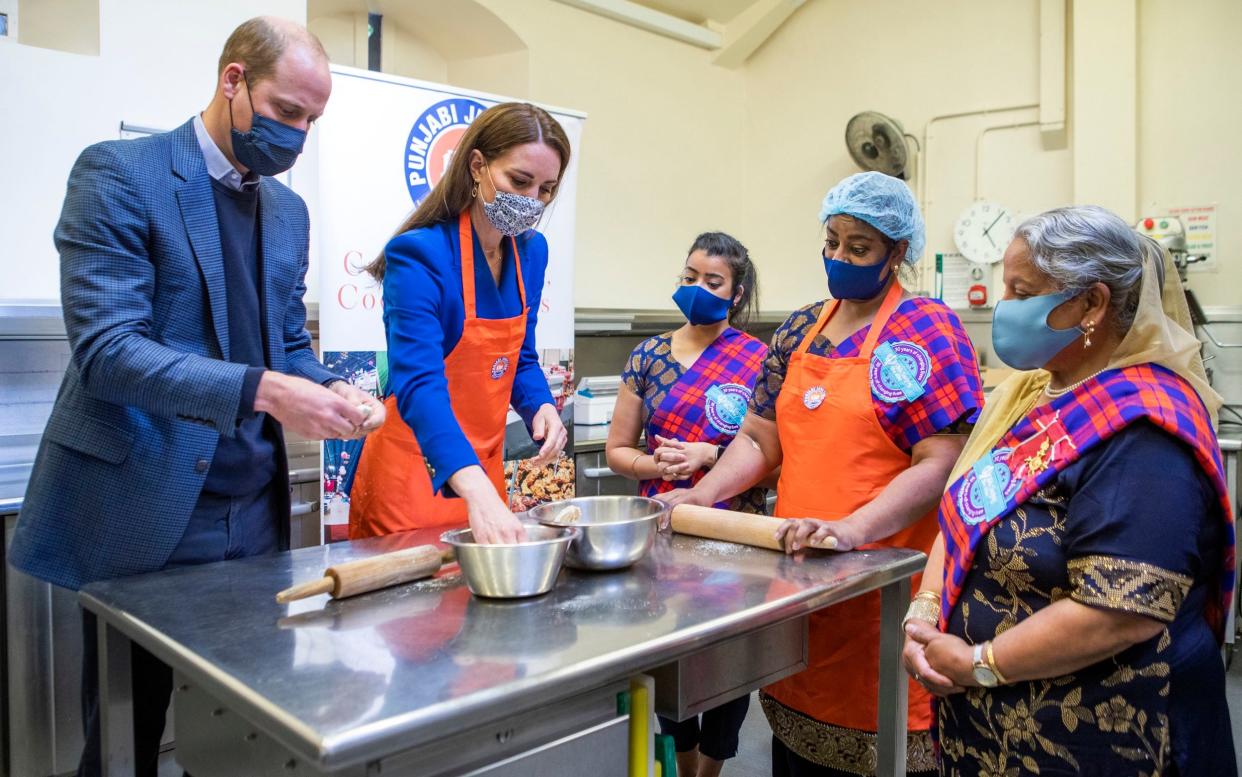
(891, 727)
(116, 703)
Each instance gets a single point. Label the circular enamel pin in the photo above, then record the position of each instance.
(500, 367)
(725, 407)
(814, 397)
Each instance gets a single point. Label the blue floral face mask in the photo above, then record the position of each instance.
(511, 214)
(1021, 336)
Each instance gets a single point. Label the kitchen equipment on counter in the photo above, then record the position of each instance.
(614, 531)
(512, 571)
(371, 574)
(731, 526)
(1171, 234)
(595, 399)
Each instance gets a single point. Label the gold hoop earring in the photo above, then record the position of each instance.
(1090, 330)
(474, 191)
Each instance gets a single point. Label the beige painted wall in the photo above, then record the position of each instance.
(674, 145)
(1190, 119)
(661, 154)
(829, 62)
(145, 74)
(44, 23)
(404, 54)
(507, 74)
(336, 33)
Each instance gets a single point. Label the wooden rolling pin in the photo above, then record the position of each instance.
(371, 574)
(732, 526)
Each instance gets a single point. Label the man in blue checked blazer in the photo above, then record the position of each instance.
(182, 274)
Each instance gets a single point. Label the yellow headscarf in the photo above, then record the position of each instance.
(1161, 334)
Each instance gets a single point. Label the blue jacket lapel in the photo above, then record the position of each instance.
(198, 210)
(276, 246)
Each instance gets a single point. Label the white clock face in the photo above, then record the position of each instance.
(983, 231)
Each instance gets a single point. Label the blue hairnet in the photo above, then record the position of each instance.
(882, 201)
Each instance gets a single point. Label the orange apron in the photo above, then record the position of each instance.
(392, 489)
(838, 458)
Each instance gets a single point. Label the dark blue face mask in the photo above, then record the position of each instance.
(852, 281)
(270, 147)
(700, 306)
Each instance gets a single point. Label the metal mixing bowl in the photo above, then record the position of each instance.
(616, 531)
(511, 571)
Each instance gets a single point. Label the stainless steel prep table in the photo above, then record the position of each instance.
(425, 679)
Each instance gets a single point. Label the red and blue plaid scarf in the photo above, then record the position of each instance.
(732, 364)
(1053, 436)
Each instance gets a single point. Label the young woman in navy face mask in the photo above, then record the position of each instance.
(863, 403)
(687, 391)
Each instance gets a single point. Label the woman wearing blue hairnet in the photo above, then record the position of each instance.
(865, 401)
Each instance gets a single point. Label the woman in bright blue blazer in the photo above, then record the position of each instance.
(462, 282)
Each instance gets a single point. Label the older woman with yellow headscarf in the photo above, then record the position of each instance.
(1070, 610)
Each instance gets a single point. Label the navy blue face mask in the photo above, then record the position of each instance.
(270, 147)
(852, 281)
(700, 306)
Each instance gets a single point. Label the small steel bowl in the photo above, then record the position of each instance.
(511, 571)
(616, 531)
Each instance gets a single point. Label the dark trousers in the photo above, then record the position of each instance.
(714, 733)
(787, 763)
(220, 528)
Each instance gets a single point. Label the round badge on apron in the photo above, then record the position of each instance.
(814, 397)
(392, 491)
(839, 432)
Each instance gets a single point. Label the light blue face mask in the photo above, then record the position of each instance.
(1021, 336)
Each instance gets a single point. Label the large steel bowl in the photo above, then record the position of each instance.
(616, 531)
(511, 571)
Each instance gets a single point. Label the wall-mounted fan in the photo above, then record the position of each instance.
(877, 142)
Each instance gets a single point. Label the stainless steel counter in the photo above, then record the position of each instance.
(344, 684)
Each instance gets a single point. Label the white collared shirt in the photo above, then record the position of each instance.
(218, 165)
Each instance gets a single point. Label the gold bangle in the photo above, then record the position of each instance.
(922, 609)
(991, 659)
(932, 596)
(634, 464)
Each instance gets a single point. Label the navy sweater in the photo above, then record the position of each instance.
(245, 461)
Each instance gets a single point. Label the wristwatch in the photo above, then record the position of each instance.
(982, 670)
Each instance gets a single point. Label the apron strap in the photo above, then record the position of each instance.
(891, 300)
(465, 235)
(824, 316)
